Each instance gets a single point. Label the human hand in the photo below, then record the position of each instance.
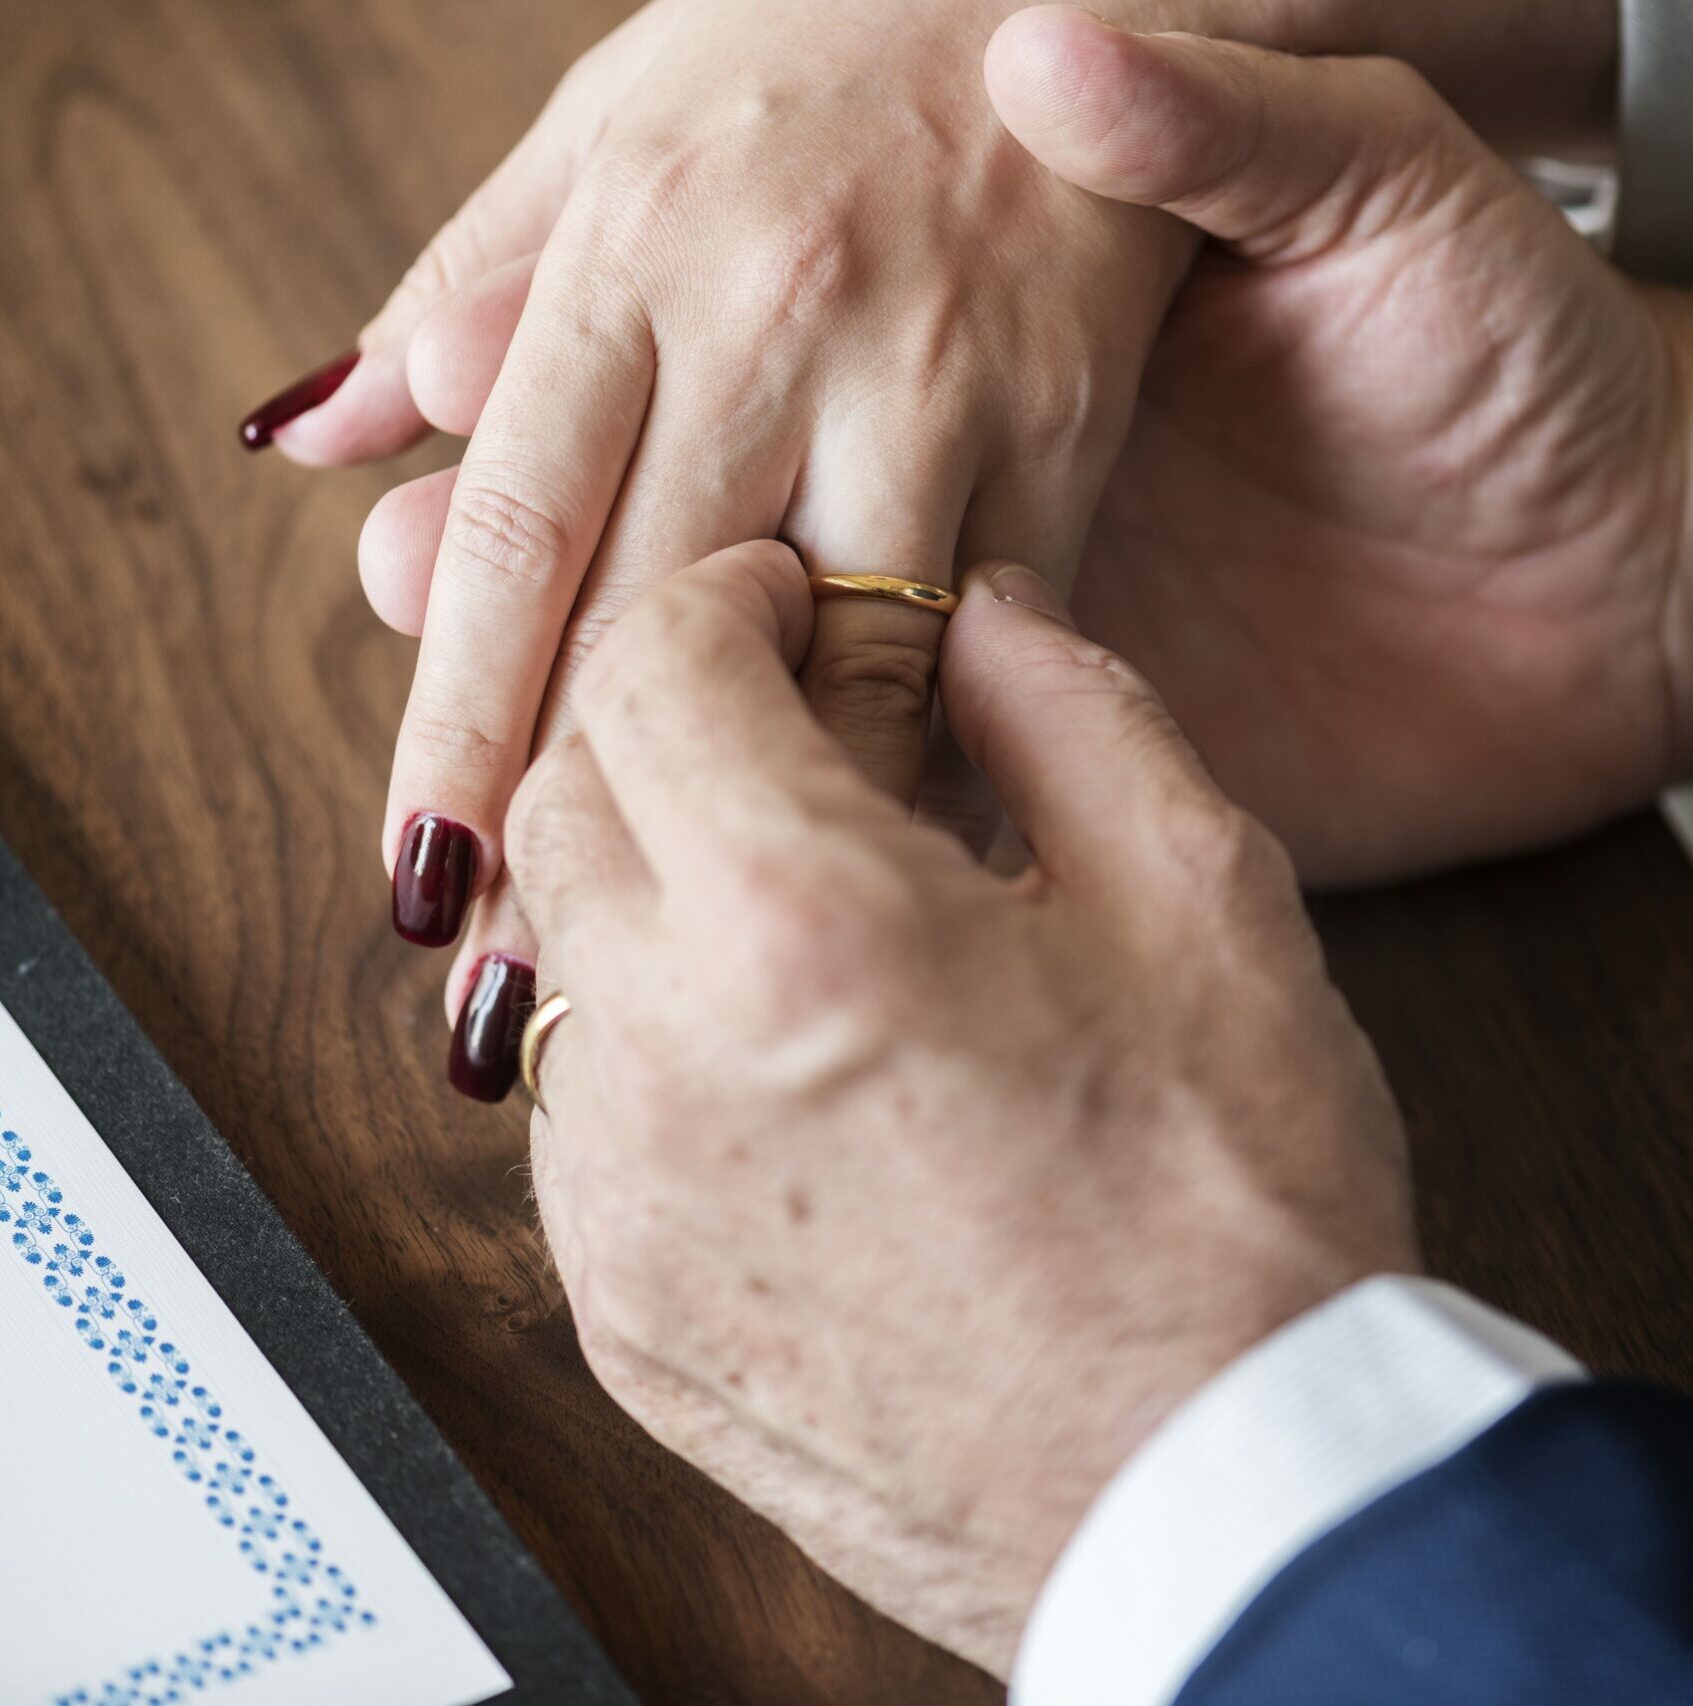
(867, 307)
(801, 282)
(889, 342)
(903, 1199)
(1401, 525)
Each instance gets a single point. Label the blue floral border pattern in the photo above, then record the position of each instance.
(311, 1599)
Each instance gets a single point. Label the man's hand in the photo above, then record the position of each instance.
(1400, 532)
(902, 1199)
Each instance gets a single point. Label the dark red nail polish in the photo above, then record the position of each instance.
(260, 427)
(433, 878)
(483, 1061)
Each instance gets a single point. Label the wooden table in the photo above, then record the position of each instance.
(196, 713)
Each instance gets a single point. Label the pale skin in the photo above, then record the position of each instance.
(1401, 527)
(793, 276)
(907, 1201)
(903, 1199)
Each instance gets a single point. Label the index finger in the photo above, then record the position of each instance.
(696, 721)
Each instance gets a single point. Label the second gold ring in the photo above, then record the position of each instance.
(535, 1033)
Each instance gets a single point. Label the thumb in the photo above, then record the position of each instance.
(1264, 150)
(1095, 775)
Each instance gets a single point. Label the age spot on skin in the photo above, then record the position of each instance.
(799, 1206)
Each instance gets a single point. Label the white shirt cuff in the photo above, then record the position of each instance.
(1323, 1418)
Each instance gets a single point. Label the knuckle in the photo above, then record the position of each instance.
(874, 682)
(448, 736)
(788, 269)
(1062, 413)
(455, 256)
(1051, 651)
(1264, 865)
(1409, 144)
(1204, 836)
(1153, 742)
(432, 275)
(497, 530)
(1224, 854)
(630, 203)
(1143, 724)
(1056, 662)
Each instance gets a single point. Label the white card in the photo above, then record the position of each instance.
(174, 1526)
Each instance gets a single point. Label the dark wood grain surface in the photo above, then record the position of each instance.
(199, 201)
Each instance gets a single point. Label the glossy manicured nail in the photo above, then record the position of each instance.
(433, 878)
(262, 425)
(483, 1061)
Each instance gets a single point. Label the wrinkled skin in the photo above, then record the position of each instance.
(902, 1199)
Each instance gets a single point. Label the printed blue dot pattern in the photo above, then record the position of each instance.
(311, 1601)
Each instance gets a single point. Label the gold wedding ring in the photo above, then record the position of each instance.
(935, 598)
(535, 1033)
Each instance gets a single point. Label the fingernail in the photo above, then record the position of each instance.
(483, 1060)
(1011, 583)
(433, 877)
(318, 386)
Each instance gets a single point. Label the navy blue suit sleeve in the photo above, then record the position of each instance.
(1549, 1563)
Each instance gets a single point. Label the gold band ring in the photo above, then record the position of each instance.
(935, 598)
(535, 1033)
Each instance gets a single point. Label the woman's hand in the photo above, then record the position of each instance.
(902, 1199)
(803, 283)
(1401, 532)
(794, 278)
